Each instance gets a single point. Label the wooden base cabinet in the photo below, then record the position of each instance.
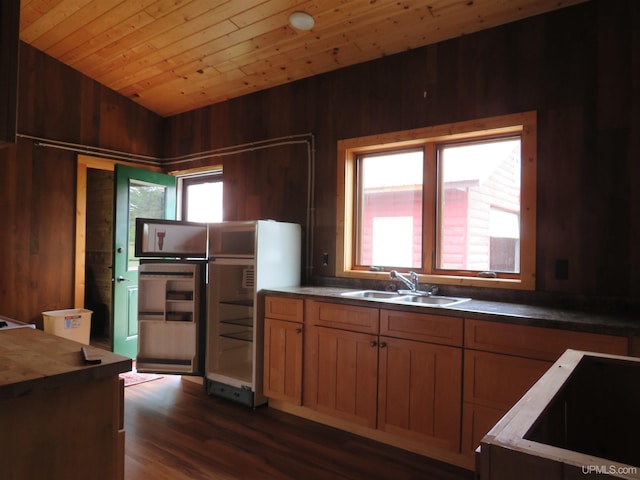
(502, 361)
(283, 341)
(341, 361)
(419, 392)
(431, 384)
(493, 383)
(405, 387)
(341, 374)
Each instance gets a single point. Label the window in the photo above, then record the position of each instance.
(454, 203)
(201, 196)
(390, 209)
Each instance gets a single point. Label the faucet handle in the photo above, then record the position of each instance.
(432, 289)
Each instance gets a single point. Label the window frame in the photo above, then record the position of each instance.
(185, 178)
(523, 124)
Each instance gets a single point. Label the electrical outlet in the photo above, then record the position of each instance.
(562, 269)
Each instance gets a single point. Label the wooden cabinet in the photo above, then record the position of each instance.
(396, 381)
(502, 361)
(537, 342)
(9, 44)
(60, 419)
(419, 391)
(283, 340)
(341, 361)
(430, 383)
(341, 373)
(493, 383)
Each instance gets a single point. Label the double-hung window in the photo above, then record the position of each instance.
(454, 203)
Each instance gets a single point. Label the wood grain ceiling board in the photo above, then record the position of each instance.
(172, 56)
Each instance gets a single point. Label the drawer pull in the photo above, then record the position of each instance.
(373, 343)
(383, 344)
(298, 330)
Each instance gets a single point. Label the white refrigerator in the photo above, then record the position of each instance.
(198, 314)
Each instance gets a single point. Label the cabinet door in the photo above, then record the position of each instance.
(420, 391)
(340, 374)
(283, 360)
(493, 383)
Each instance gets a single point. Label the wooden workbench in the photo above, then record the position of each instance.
(59, 418)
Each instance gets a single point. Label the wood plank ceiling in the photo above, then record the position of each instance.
(172, 56)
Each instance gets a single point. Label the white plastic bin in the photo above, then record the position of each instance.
(74, 324)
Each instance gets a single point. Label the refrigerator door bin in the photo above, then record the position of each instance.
(155, 351)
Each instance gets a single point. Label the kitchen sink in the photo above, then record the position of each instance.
(433, 300)
(394, 297)
(374, 294)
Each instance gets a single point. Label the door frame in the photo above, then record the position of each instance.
(83, 163)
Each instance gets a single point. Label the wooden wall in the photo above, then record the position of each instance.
(37, 185)
(578, 67)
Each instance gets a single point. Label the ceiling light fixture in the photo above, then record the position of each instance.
(301, 20)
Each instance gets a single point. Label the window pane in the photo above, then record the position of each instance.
(479, 206)
(145, 201)
(390, 210)
(204, 202)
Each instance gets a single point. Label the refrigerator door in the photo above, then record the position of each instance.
(269, 258)
(170, 317)
(231, 330)
(157, 238)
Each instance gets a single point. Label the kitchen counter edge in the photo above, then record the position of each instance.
(33, 360)
(520, 314)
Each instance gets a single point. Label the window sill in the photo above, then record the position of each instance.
(502, 283)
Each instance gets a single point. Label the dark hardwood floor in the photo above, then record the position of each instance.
(174, 432)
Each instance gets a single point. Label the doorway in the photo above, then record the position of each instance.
(94, 244)
(98, 254)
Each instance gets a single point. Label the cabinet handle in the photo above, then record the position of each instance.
(373, 343)
(298, 330)
(383, 344)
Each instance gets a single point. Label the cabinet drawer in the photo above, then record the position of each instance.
(537, 342)
(344, 317)
(284, 308)
(422, 327)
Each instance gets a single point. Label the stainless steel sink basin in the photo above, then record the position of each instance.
(433, 300)
(374, 294)
(394, 297)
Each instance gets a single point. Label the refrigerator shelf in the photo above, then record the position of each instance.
(242, 302)
(179, 295)
(164, 276)
(179, 316)
(243, 322)
(242, 336)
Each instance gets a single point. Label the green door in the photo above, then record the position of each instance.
(138, 193)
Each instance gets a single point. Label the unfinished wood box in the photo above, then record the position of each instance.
(580, 420)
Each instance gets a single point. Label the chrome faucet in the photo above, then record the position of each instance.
(414, 283)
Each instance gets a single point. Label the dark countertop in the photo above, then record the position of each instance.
(32, 360)
(485, 310)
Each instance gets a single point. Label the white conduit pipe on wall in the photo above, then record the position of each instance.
(137, 159)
